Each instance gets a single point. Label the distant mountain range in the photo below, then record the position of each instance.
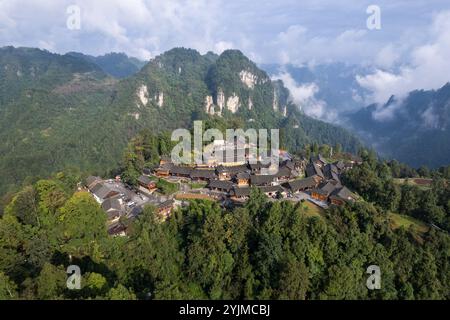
(73, 111)
(413, 130)
(336, 84)
(118, 65)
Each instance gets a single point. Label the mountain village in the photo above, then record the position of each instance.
(228, 181)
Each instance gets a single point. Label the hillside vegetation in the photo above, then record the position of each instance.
(64, 111)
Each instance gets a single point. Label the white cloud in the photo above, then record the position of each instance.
(429, 67)
(142, 28)
(298, 45)
(387, 56)
(382, 84)
(304, 97)
(430, 118)
(386, 113)
(221, 46)
(285, 31)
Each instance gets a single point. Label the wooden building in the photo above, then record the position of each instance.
(243, 179)
(147, 183)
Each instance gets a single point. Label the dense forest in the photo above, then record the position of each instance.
(264, 250)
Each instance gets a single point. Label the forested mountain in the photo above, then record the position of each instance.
(118, 65)
(27, 69)
(414, 130)
(64, 111)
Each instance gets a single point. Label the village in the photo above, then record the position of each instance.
(228, 181)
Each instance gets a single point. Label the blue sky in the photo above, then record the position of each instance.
(410, 50)
(147, 28)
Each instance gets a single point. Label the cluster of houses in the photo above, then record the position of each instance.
(107, 196)
(323, 182)
(322, 179)
(119, 201)
(314, 179)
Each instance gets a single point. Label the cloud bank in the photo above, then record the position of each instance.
(304, 96)
(428, 66)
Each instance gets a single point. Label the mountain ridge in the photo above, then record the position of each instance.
(415, 130)
(116, 64)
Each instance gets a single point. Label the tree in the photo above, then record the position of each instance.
(325, 150)
(83, 225)
(153, 256)
(294, 280)
(410, 199)
(120, 293)
(24, 206)
(388, 196)
(8, 289)
(426, 280)
(238, 227)
(256, 203)
(210, 263)
(344, 283)
(12, 239)
(424, 172)
(50, 196)
(337, 148)
(51, 282)
(94, 285)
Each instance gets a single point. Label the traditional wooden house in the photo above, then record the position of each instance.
(319, 194)
(313, 169)
(147, 183)
(272, 191)
(117, 229)
(102, 192)
(340, 165)
(220, 185)
(243, 179)
(255, 168)
(341, 196)
(135, 212)
(113, 208)
(319, 161)
(203, 174)
(96, 187)
(227, 173)
(262, 180)
(163, 170)
(147, 171)
(331, 172)
(164, 209)
(302, 184)
(180, 171)
(164, 160)
(240, 193)
(284, 173)
(290, 164)
(91, 181)
(330, 186)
